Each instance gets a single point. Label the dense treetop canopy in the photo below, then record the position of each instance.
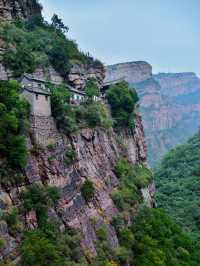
(178, 184)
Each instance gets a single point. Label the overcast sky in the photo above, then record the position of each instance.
(165, 33)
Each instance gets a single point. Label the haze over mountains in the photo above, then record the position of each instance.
(169, 103)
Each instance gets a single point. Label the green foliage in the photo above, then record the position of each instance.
(51, 146)
(118, 222)
(20, 60)
(14, 113)
(105, 254)
(96, 114)
(70, 118)
(2, 243)
(178, 184)
(91, 89)
(37, 249)
(160, 241)
(123, 256)
(46, 245)
(126, 237)
(35, 43)
(154, 239)
(88, 190)
(122, 101)
(32, 23)
(39, 198)
(62, 111)
(58, 24)
(138, 175)
(101, 233)
(40, 248)
(70, 156)
(12, 220)
(131, 178)
(9, 176)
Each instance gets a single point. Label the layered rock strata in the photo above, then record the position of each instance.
(97, 151)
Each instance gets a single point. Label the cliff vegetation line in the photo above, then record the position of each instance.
(36, 43)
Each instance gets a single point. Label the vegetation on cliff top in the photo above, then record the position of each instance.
(122, 101)
(36, 43)
(71, 118)
(178, 184)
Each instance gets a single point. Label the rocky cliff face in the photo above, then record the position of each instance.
(12, 9)
(169, 104)
(79, 75)
(133, 71)
(97, 151)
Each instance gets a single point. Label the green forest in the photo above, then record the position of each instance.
(178, 185)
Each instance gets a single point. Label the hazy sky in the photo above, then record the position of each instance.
(166, 33)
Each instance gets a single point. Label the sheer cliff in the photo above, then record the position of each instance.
(168, 102)
(97, 152)
(57, 160)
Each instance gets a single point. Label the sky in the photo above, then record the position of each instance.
(165, 33)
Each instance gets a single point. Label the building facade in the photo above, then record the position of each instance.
(37, 95)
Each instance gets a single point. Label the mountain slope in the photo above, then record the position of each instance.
(178, 184)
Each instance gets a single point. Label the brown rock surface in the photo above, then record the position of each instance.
(97, 151)
(13, 9)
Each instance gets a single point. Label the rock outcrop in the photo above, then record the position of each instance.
(79, 74)
(169, 104)
(23, 9)
(97, 151)
(132, 71)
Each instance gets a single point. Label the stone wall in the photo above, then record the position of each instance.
(41, 105)
(44, 131)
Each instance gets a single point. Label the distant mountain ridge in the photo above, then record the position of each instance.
(169, 102)
(133, 71)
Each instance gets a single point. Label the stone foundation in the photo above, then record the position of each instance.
(44, 131)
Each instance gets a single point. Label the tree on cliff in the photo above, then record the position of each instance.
(122, 101)
(58, 24)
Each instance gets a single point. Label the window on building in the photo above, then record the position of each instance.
(37, 96)
(46, 97)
